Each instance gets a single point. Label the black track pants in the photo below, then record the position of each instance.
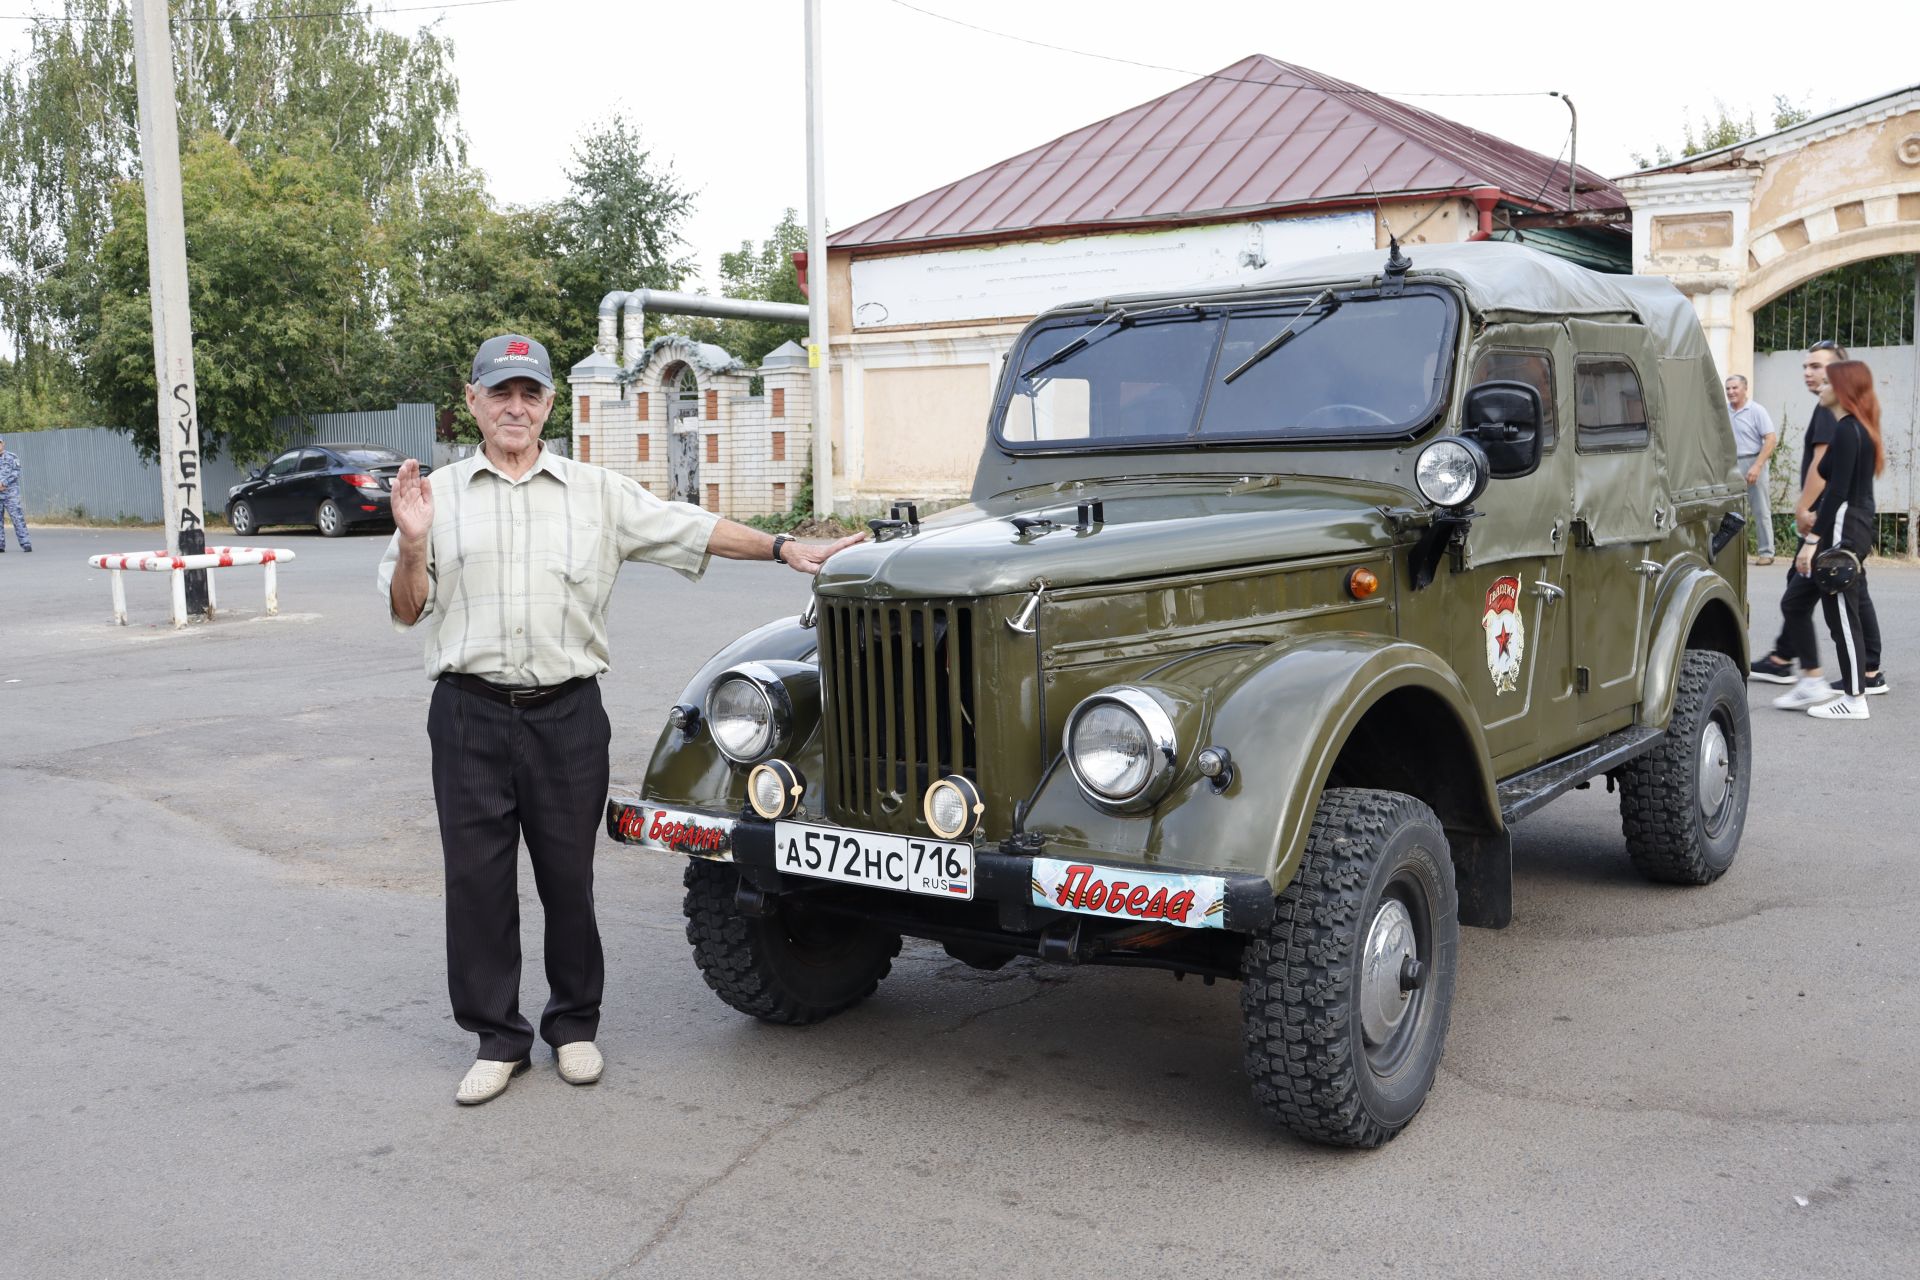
(501, 774)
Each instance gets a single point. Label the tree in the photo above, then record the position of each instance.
(281, 252)
(765, 274)
(266, 82)
(1723, 130)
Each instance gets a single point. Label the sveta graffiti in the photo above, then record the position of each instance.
(1195, 902)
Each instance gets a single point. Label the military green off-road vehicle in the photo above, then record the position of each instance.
(1274, 610)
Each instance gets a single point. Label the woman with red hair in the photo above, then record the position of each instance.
(1845, 519)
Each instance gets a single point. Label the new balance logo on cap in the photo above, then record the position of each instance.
(511, 356)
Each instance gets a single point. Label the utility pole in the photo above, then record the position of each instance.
(817, 271)
(167, 268)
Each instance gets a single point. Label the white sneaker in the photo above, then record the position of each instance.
(579, 1062)
(486, 1080)
(1843, 708)
(1811, 691)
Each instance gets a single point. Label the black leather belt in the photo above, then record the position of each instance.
(527, 696)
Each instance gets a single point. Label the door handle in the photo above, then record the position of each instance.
(1548, 590)
(1652, 568)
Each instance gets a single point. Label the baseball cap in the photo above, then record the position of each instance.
(511, 355)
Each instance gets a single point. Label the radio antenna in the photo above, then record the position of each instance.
(1398, 264)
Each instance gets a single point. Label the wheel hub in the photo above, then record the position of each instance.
(1390, 971)
(1716, 768)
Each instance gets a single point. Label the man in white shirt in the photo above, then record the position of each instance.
(509, 559)
(1754, 440)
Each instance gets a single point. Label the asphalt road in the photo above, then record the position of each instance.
(221, 970)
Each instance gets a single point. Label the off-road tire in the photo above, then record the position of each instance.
(1670, 836)
(329, 518)
(759, 966)
(1306, 1049)
(241, 519)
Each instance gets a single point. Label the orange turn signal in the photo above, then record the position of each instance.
(1362, 583)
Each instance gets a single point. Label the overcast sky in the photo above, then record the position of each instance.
(717, 86)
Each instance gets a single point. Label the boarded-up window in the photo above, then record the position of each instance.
(713, 447)
(779, 402)
(779, 497)
(779, 446)
(586, 408)
(713, 497)
(586, 448)
(643, 447)
(713, 406)
(642, 402)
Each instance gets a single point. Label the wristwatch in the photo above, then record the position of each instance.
(780, 540)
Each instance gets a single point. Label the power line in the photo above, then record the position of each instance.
(368, 11)
(1202, 75)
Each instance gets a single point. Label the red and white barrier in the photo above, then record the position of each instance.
(212, 558)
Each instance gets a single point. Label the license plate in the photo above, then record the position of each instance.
(908, 864)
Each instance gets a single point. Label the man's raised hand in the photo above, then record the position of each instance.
(412, 502)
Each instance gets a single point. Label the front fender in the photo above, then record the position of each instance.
(1284, 711)
(1690, 592)
(690, 770)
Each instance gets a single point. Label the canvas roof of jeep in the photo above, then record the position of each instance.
(1500, 281)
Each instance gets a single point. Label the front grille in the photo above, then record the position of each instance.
(897, 686)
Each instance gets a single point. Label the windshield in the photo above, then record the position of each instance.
(1348, 366)
(371, 456)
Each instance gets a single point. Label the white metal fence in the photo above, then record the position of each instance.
(95, 472)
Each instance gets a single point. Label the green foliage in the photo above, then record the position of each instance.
(765, 273)
(1723, 129)
(282, 320)
(39, 397)
(1862, 304)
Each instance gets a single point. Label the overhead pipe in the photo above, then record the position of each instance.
(634, 305)
(608, 340)
(1485, 198)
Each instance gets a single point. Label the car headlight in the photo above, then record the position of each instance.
(1120, 746)
(1451, 472)
(953, 807)
(775, 789)
(749, 713)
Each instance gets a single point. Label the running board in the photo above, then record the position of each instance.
(1521, 794)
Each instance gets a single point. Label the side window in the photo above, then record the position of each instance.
(284, 464)
(1535, 368)
(313, 460)
(1610, 411)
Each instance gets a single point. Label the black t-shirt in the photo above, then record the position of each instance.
(1819, 432)
(1848, 471)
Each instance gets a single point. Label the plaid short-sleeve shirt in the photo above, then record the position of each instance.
(520, 571)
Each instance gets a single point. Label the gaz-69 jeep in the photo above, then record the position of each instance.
(1274, 609)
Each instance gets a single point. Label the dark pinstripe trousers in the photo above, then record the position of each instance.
(500, 774)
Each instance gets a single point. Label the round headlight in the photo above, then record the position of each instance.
(1451, 472)
(1120, 746)
(953, 807)
(775, 788)
(740, 717)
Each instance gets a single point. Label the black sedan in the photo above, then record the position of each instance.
(330, 486)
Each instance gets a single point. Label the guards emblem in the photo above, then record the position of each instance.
(1506, 634)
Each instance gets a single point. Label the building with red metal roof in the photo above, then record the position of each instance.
(1258, 164)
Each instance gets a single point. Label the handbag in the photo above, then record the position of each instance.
(1835, 569)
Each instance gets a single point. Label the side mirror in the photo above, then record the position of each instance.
(254, 474)
(1504, 419)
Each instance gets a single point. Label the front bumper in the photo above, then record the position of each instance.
(1023, 884)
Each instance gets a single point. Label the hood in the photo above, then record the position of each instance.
(969, 552)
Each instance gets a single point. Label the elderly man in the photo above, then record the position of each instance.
(509, 559)
(10, 508)
(1754, 440)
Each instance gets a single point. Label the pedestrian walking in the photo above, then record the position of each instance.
(1754, 440)
(1802, 596)
(1842, 532)
(10, 501)
(507, 560)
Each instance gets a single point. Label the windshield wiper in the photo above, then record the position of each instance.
(1281, 338)
(1120, 315)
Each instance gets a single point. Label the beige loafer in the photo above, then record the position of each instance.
(486, 1080)
(579, 1062)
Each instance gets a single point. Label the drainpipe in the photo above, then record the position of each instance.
(1485, 198)
(608, 340)
(800, 269)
